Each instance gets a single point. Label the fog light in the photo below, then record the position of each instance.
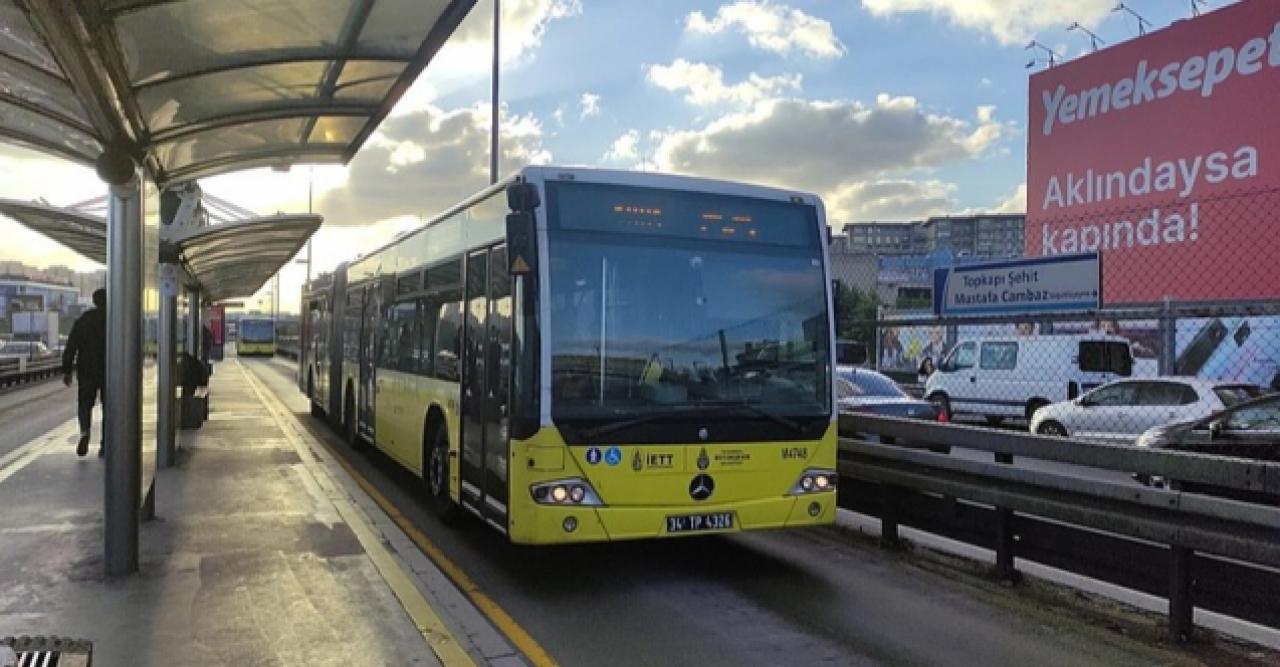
(570, 524)
(815, 509)
(559, 494)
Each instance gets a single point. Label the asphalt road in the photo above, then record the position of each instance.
(780, 598)
(29, 411)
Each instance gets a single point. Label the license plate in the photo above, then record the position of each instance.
(692, 523)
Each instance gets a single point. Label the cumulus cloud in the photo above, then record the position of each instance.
(422, 163)
(1009, 21)
(1016, 202)
(890, 199)
(590, 105)
(704, 84)
(469, 51)
(771, 27)
(625, 148)
(820, 145)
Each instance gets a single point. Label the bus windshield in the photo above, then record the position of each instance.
(668, 302)
(257, 331)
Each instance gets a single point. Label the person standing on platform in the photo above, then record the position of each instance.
(86, 353)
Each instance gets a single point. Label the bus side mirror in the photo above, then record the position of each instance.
(520, 243)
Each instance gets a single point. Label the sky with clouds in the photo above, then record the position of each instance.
(890, 109)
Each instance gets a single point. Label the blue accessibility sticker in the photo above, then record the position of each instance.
(613, 456)
(593, 455)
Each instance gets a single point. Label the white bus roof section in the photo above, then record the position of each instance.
(194, 88)
(235, 259)
(83, 232)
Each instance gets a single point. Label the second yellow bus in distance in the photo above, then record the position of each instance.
(581, 355)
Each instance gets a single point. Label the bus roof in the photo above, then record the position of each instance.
(544, 173)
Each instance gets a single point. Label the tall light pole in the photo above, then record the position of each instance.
(493, 128)
(311, 177)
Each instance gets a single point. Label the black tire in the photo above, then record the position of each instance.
(942, 403)
(316, 410)
(435, 477)
(1053, 429)
(995, 422)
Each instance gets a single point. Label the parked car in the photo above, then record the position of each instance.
(862, 391)
(1015, 376)
(1121, 411)
(1250, 429)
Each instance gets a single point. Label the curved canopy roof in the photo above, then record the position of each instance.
(237, 258)
(229, 260)
(83, 232)
(196, 87)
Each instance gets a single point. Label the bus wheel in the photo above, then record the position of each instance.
(436, 474)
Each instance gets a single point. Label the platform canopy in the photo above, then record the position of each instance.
(235, 259)
(81, 231)
(193, 88)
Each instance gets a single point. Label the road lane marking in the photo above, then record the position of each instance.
(433, 629)
(19, 458)
(507, 625)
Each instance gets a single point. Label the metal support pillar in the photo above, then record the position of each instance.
(1181, 606)
(123, 395)
(1168, 359)
(1005, 542)
(167, 368)
(194, 331)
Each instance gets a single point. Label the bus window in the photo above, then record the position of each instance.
(447, 339)
(425, 330)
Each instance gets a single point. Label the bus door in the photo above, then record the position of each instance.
(485, 384)
(370, 314)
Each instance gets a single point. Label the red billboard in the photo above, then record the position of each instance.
(1163, 155)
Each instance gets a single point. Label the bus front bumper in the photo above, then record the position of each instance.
(554, 524)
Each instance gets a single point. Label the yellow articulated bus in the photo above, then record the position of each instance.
(580, 355)
(256, 337)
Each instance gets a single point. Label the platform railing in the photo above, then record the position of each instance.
(1215, 552)
(18, 371)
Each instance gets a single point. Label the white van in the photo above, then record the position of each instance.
(1014, 376)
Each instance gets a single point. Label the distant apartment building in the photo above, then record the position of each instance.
(981, 235)
(905, 254)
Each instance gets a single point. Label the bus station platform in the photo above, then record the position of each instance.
(262, 552)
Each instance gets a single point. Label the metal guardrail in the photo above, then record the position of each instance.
(18, 371)
(1024, 512)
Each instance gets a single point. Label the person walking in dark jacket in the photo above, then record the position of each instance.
(86, 353)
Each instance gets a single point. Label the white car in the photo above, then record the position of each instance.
(1119, 412)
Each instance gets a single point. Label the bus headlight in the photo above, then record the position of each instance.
(572, 491)
(815, 480)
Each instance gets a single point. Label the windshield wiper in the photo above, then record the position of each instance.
(699, 411)
(635, 421)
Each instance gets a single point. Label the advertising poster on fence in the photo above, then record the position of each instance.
(1162, 154)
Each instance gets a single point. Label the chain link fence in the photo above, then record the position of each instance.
(1190, 328)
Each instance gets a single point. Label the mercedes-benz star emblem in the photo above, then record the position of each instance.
(702, 487)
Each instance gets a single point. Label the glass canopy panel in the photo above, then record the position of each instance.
(367, 80)
(44, 133)
(261, 88)
(339, 130)
(242, 140)
(397, 27)
(186, 36)
(35, 86)
(18, 39)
